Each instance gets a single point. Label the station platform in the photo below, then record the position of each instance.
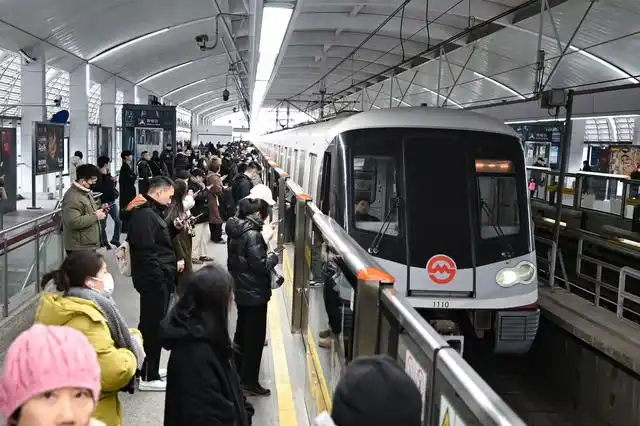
(596, 327)
(282, 368)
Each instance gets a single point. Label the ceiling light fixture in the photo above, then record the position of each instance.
(186, 86)
(161, 73)
(275, 22)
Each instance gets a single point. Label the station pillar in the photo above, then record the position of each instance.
(108, 118)
(33, 99)
(576, 148)
(79, 84)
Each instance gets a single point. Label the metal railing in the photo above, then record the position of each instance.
(616, 195)
(28, 249)
(383, 321)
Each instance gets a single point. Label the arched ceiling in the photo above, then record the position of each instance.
(151, 43)
(486, 65)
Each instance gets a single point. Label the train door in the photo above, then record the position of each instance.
(440, 234)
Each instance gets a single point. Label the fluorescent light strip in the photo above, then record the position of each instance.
(497, 83)
(196, 97)
(442, 97)
(203, 103)
(133, 41)
(547, 120)
(161, 73)
(186, 86)
(124, 45)
(273, 29)
(607, 64)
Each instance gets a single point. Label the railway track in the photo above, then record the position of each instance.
(521, 381)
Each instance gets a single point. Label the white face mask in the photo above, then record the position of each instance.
(107, 284)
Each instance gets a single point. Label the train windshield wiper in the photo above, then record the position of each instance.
(377, 240)
(508, 253)
(485, 207)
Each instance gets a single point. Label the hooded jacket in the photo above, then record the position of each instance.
(153, 258)
(203, 387)
(248, 261)
(117, 365)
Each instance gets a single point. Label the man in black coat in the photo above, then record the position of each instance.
(153, 270)
(242, 183)
(106, 185)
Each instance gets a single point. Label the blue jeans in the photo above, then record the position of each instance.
(117, 226)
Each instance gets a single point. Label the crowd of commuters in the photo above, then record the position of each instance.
(72, 365)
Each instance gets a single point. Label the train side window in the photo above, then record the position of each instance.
(374, 189)
(325, 188)
(312, 171)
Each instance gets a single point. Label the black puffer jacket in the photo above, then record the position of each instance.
(248, 261)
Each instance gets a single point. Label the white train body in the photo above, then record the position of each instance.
(447, 194)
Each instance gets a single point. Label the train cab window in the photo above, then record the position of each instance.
(374, 192)
(497, 198)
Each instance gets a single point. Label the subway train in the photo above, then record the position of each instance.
(439, 198)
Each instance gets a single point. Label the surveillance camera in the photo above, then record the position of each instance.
(225, 95)
(201, 41)
(235, 109)
(57, 101)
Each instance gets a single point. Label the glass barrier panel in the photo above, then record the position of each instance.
(602, 194)
(448, 407)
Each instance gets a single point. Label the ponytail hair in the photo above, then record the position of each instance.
(75, 269)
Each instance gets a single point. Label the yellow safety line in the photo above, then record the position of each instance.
(286, 406)
(318, 387)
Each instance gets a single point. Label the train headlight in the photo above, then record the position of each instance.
(526, 272)
(523, 273)
(507, 278)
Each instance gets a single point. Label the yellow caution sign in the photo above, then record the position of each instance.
(446, 421)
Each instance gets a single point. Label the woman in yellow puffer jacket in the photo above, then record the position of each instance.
(81, 300)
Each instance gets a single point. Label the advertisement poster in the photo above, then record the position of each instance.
(623, 160)
(8, 168)
(49, 148)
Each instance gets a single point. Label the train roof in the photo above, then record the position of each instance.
(415, 117)
(424, 117)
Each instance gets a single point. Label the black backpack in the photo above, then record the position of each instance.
(226, 206)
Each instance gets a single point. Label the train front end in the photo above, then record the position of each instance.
(447, 213)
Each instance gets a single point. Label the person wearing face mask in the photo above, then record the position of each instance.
(78, 295)
(180, 206)
(154, 267)
(203, 387)
(81, 215)
(50, 377)
(250, 265)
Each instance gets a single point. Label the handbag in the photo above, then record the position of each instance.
(276, 277)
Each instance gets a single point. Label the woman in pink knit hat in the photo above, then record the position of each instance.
(50, 377)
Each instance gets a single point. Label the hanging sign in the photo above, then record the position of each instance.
(540, 132)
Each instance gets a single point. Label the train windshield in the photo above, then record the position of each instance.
(498, 210)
